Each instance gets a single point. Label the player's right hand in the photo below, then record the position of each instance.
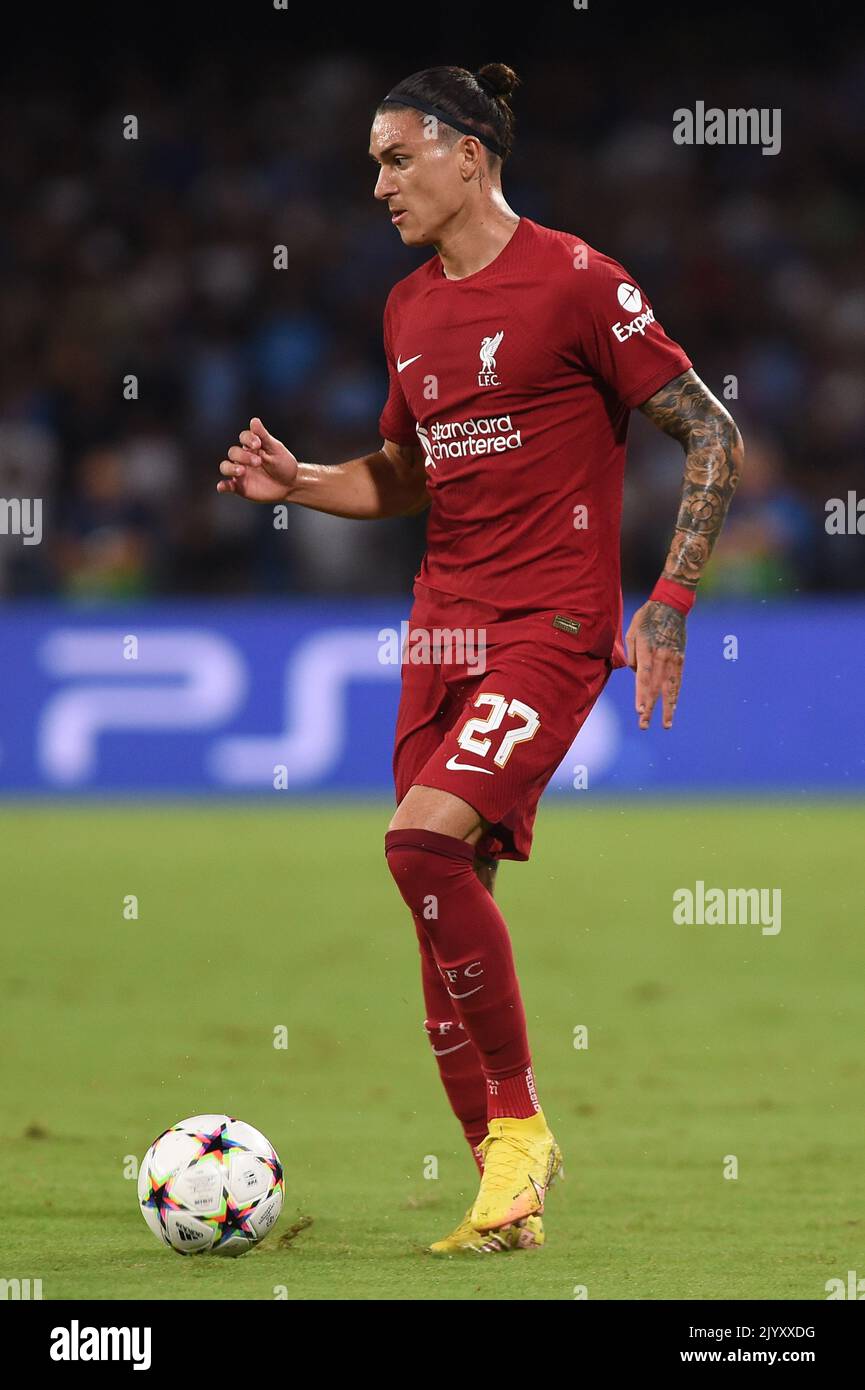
(259, 468)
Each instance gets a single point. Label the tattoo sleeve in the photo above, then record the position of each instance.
(686, 410)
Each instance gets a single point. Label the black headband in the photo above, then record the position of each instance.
(447, 119)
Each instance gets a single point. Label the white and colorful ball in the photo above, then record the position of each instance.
(211, 1184)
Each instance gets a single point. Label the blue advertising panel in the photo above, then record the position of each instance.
(231, 698)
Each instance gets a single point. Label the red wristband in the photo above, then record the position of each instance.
(676, 595)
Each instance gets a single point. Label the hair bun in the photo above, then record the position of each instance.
(497, 80)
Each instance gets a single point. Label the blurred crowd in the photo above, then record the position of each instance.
(142, 321)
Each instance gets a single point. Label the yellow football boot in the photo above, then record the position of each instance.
(521, 1160)
(466, 1240)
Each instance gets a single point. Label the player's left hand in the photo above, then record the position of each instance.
(655, 644)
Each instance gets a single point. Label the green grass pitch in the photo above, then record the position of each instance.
(704, 1042)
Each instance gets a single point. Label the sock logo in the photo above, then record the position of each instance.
(461, 975)
(443, 1031)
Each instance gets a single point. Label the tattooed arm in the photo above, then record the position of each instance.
(686, 410)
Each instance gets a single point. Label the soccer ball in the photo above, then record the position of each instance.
(211, 1183)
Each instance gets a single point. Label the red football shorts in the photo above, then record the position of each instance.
(490, 718)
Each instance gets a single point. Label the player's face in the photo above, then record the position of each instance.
(419, 177)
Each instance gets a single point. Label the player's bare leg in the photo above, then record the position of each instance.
(429, 846)
(427, 808)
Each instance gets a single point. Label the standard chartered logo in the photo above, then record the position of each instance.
(457, 439)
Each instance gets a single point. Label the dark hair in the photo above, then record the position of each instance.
(477, 100)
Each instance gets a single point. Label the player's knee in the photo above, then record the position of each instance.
(426, 867)
(409, 868)
(417, 874)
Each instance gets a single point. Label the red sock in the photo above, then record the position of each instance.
(471, 946)
(515, 1096)
(455, 1054)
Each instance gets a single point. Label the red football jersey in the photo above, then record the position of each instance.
(518, 382)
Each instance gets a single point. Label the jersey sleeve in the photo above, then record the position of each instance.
(396, 421)
(618, 336)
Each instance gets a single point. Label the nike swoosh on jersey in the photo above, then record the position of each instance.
(466, 995)
(401, 366)
(465, 767)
